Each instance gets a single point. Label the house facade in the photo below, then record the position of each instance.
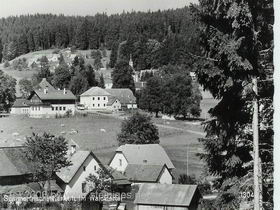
(72, 179)
(114, 99)
(143, 163)
(46, 101)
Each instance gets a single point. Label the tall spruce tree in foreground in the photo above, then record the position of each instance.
(47, 154)
(138, 129)
(237, 38)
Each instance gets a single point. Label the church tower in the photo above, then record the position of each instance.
(131, 62)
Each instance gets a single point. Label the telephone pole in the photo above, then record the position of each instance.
(255, 125)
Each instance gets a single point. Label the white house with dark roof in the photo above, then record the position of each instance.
(114, 99)
(95, 98)
(46, 101)
(72, 179)
(143, 163)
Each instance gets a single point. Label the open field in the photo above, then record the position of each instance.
(86, 132)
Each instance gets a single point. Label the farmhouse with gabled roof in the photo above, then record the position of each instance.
(114, 99)
(143, 163)
(46, 101)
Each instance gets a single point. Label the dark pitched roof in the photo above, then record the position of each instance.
(150, 154)
(51, 93)
(118, 178)
(13, 162)
(166, 194)
(21, 102)
(21, 188)
(77, 159)
(124, 95)
(54, 95)
(144, 173)
(111, 100)
(45, 84)
(95, 91)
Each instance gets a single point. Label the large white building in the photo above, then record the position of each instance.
(46, 101)
(114, 99)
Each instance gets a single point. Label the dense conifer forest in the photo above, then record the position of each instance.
(157, 33)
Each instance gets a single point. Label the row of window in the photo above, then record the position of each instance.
(98, 98)
(35, 108)
(98, 105)
(60, 108)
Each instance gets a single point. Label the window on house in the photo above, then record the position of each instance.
(120, 162)
(98, 105)
(84, 184)
(104, 105)
(60, 108)
(56, 108)
(38, 108)
(94, 168)
(93, 98)
(104, 98)
(84, 168)
(64, 108)
(98, 98)
(93, 105)
(52, 108)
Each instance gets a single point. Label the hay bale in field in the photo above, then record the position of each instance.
(103, 130)
(15, 134)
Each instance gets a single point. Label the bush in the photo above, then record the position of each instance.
(6, 64)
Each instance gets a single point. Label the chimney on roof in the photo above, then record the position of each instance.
(64, 91)
(73, 149)
(46, 90)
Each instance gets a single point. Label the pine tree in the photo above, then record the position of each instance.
(122, 76)
(234, 35)
(101, 81)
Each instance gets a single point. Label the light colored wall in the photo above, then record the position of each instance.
(108, 85)
(43, 111)
(130, 106)
(115, 163)
(115, 106)
(20, 110)
(93, 104)
(165, 177)
(74, 188)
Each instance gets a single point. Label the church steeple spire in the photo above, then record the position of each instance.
(131, 61)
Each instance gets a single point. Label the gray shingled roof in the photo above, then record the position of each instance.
(95, 91)
(13, 162)
(124, 95)
(143, 173)
(111, 100)
(77, 159)
(45, 84)
(165, 194)
(55, 95)
(21, 102)
(150, 154)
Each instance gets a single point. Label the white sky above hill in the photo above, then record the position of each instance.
(85, 7)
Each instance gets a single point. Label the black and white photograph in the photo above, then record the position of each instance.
(138, 104)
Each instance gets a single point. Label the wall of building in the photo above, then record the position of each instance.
(20, 110)
(166, 177)
(74, 188)
(51, 111)
(94, 102)
(119, 162)
(115, 106)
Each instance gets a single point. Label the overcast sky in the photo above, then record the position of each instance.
(85, 7)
